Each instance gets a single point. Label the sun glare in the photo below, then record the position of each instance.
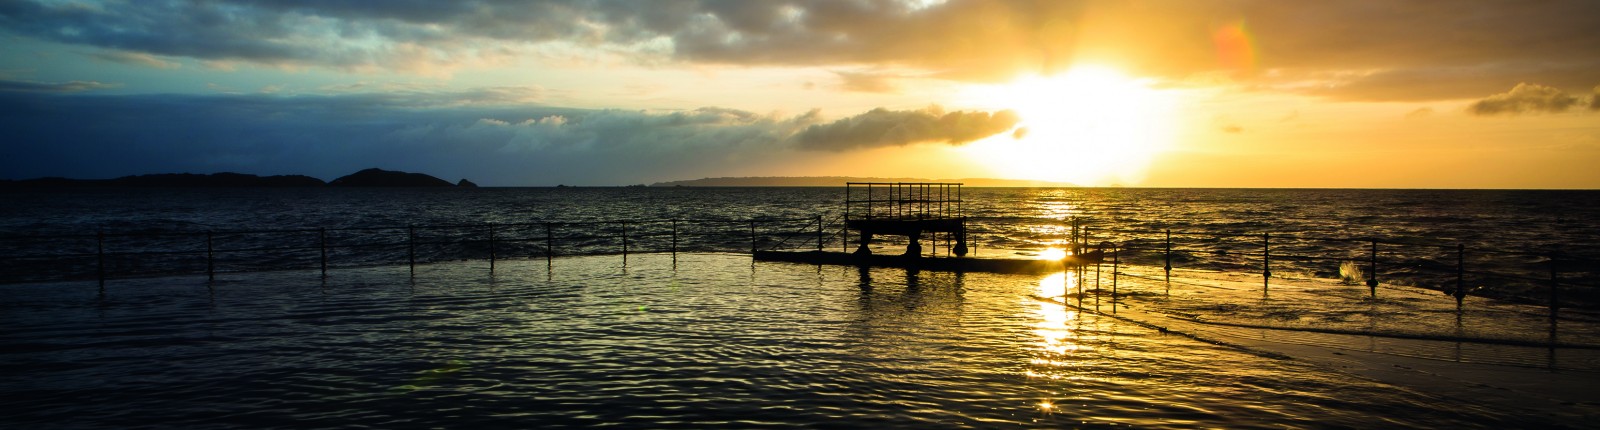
(1091, 126)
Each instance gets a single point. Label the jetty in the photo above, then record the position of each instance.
(914, 212)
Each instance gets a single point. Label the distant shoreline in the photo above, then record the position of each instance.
(840, 181)
(373, 177)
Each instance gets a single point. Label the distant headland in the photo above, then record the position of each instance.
(366, 178)
(839, 181)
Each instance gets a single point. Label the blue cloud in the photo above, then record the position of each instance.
(486, 135)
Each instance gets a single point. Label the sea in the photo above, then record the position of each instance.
(640, 307)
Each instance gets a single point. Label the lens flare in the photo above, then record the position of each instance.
(1235, 49)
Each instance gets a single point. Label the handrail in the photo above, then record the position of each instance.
(1541, 269)
(104, 251)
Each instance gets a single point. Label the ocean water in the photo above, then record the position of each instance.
(1500, 243)
(709, 339)
(716, 342)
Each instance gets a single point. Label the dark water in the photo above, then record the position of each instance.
(716, 343)
(1509, 238)
(710, 340)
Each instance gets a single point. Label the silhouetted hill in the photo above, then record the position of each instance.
(388, 178)
(839, 181)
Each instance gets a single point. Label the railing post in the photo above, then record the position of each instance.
(411, 249)
(322, 243)
(491, 247)
(1461, 270)
(1168, 267)
(752, 238)
(819, 233)
(1116, 264)
(1266, 261)
(211, 266)
(549, 245)
(624, 243)
(1097, 289)
(1372, 280)
(1555, 289)
(844, 233)
(100, 258)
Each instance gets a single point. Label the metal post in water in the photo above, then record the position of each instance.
(100, 258)
(211, 267)
(491, 247)
(1372, 281)
(411, 250)
(752, 238)
(1116, 263)
(624, 243)
(1266, 261)
(1097, 282)
(674, 240)
(1168, 267)
(1461, 270)
(819, 233)
(1555, 291)
(322, 243)
(549, 246)
(844, 233)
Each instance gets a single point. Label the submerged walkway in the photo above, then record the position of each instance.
(1493, 353)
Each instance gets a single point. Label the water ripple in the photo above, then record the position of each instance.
(715, 344)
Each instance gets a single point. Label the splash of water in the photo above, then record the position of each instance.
(1350, 273)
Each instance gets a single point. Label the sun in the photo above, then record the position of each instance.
(1091, 125)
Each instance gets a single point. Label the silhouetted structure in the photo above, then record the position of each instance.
(907, 209)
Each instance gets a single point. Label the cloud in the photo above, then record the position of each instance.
(882, 127)
(484, 134)
(1341, 49)
(53, 87)
(1525, 98)
(866, 82)
(1422, 112)
(136, 59)
(1232, 129)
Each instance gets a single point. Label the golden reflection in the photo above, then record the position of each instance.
(1058, 340)
(1053, 254)
(1053, 286)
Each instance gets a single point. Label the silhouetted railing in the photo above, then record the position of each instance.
(112, 255)
(1548, 277)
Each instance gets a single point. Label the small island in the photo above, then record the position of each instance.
(388, 178)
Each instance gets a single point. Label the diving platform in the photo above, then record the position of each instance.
(918, 212)
(909, 209)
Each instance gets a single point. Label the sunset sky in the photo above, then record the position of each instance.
(1361, 94)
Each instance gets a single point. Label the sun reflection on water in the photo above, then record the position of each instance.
(1056, 329)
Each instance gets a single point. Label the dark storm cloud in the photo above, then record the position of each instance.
(488, 135)
(882, 127)
(1358, 49)
(1526, 98)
